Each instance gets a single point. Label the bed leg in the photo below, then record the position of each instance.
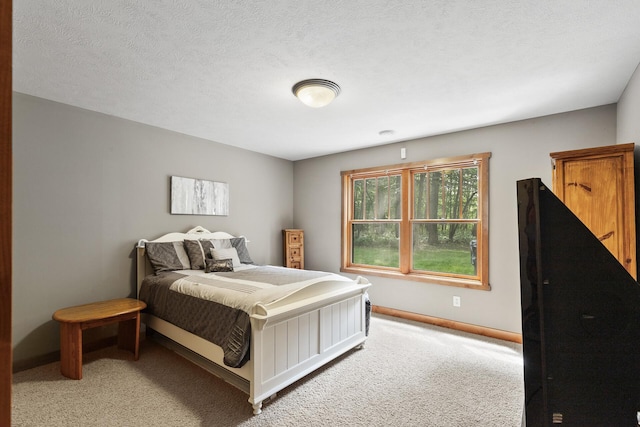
(257, 408)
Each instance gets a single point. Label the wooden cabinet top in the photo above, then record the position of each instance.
(594, 151)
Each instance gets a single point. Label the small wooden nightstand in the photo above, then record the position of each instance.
(73, 320)
(293, 248)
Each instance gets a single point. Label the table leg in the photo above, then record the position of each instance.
(129, 335)
(71, 350)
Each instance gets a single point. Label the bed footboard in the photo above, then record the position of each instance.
(290, 344)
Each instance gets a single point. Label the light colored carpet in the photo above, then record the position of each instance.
(408, 374)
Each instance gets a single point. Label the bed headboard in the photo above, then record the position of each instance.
(143, 266)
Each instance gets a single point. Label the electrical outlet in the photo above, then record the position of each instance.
(456, 301)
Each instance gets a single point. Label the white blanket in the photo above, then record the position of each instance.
(243, 294)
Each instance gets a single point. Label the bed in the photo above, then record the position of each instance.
(282, 329)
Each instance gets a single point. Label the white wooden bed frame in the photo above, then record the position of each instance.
(290, 338)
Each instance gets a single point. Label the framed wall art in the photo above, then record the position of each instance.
(190, 196)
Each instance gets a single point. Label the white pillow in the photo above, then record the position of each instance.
(226, 254)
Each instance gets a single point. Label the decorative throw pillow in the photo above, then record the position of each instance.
(240, 244)
(167, 256)
(227, 253)
(221, 243)
(196, 253)
(217, 265)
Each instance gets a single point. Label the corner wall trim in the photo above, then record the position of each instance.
(451, 324)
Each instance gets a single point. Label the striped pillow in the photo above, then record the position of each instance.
(240, 245)
(198, 251)
(167, 256)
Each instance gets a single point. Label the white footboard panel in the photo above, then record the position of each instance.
(285, 350)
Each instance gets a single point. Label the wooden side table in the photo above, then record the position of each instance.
(73, 320)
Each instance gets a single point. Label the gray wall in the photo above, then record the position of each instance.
(628, 116)
(87, 186)
(519, 150)
(629, 112)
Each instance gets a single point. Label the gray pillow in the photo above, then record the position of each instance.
(239, 243)
(241, 246)
(221, 243)
(167, 256)
(197, 250)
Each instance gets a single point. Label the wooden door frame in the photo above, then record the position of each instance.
(6, 175)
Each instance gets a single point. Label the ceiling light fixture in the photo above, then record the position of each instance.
(316, 92)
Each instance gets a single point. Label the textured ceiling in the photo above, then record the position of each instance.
(224, 70)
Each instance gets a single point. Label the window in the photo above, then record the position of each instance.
(425, 221)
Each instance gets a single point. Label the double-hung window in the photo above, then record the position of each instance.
(424, 221)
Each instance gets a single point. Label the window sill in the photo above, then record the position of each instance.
(416, 277)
